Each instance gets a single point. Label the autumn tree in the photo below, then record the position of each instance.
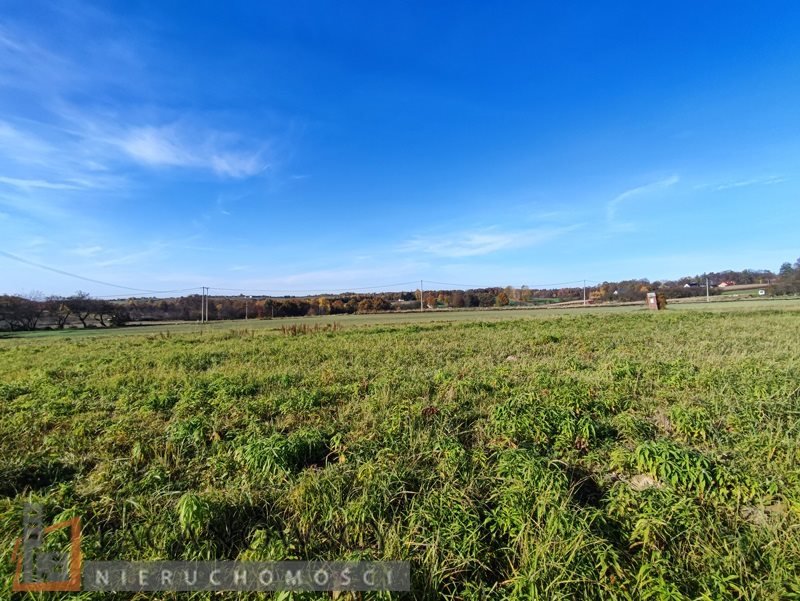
(789, 278)
(380, 303)
(338, 307)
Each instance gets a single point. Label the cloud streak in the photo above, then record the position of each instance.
(63, 162)
(479, 242)
(28, 184)
(73, 144)
(169, 146)
(756, 181)
(86, 251)
(23, 147)
(614, 204)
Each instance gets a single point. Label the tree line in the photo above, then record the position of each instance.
(81, 310)
(21, 313)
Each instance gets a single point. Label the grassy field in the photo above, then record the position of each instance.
(436, 316)
(742, 293)
(598, 453)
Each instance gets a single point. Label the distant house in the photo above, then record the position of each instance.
(726, 284)
(691, 285)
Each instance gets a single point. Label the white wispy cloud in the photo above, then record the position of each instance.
(755, 181)
(31, 162)
(37, 242)
(79, 143)
(613, 225)
(23, 147)
(350, 275)
(86, 251)
(154, 251)
(27, 64)
(38, 206)
(477, 242)
(170, 146)
(82, 124)
(612, 207)
(27, 184)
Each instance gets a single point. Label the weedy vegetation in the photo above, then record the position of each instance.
(622, 456)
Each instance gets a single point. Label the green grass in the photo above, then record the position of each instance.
(751, 292)
(429, 316)
(614, 453)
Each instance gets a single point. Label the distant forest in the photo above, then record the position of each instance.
(32, 312)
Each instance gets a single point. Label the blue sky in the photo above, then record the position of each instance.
(330, 145)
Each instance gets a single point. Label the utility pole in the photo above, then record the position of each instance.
(421, 296)
(245, 307)
(584, 292)
(708, 298)
(203, 305)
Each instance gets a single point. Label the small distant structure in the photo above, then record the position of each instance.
(726, 284)
(691, 285)
(656, 301)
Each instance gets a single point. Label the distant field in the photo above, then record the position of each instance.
(439, 315)
(598, 453)
(741, 292)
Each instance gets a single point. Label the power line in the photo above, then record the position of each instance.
(85, 279)
(287, 291)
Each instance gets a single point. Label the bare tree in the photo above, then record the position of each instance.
(81, 305)
(100, 309)
(58, 309)
(20, 313)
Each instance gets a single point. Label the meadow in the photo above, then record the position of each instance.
(617, 454)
